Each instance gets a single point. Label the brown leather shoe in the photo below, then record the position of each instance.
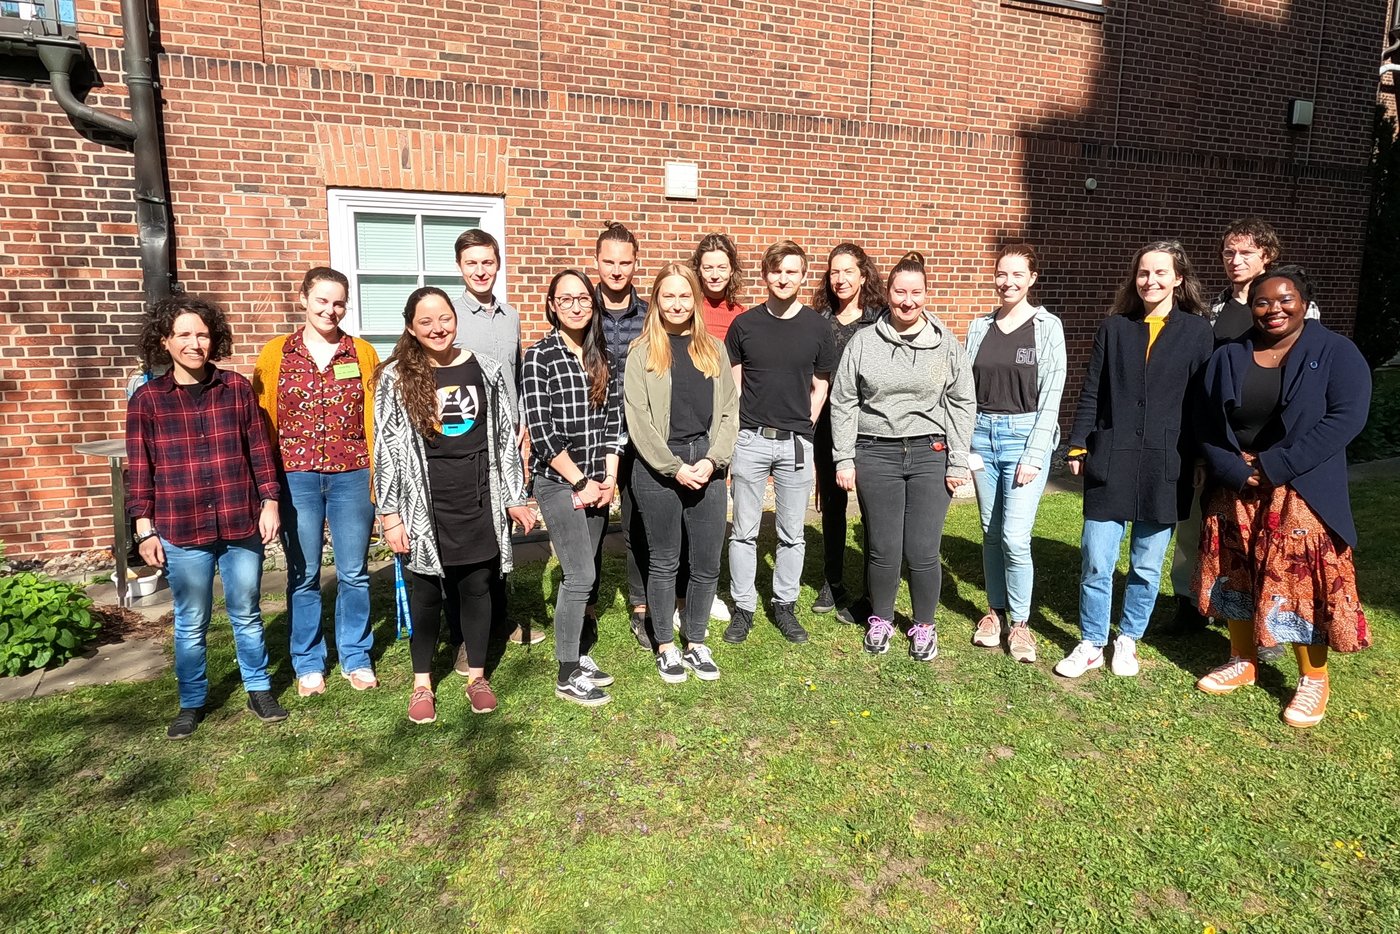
(527, 634)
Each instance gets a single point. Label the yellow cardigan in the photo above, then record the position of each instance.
(269, 367)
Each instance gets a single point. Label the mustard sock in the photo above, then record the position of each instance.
(1242, 638)
(1312, 660)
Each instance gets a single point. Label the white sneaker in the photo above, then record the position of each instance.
(1125, 659)
(309, 685)
(719, 610)
(1086, 655)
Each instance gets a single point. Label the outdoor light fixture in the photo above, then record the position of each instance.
(1300, 114)
(683, 181)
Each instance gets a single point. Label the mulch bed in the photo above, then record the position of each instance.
(119, 625)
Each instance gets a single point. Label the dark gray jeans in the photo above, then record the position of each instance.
(577, 538)
(904, 499)
(672, 514)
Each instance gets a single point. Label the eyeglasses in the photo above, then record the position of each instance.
(570, 302)
(1228, 255)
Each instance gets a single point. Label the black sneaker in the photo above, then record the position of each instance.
(669, 667)
(579, 690)
(1188, 619)
(740, 622)
(699, 660)
(785, 618)
(265, 707)
(828, 598)
(185, 722)
(593, 673)
(641, 629)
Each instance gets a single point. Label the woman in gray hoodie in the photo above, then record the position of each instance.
(902, 411)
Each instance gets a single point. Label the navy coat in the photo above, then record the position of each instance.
(1326, 395)
(1141, 448)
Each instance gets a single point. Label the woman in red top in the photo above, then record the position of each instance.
(315, 392)
(716, 262)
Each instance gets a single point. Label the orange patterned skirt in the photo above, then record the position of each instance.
(1267, 557)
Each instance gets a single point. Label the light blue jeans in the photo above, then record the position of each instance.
(311, 500)
(756, 458)
(1008, 511)
(1099, 546)
(191, 573)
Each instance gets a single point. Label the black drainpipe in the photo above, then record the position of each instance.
(142, 131)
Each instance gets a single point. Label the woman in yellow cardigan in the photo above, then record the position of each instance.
(315, 387)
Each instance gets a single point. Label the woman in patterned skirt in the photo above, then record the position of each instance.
(1276, 543)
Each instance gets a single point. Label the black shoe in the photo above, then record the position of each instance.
(1188, 618)
(855, 612)
(699, 660)
(185, 722)
(828, 598)
(740, 622)
(641, 628)
(669, 667)
(785, 619)
(579, 690)
(593, 673)
(265, 707)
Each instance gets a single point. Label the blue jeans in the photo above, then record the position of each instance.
(191, 573)
(1008, 510)
(756, 458)
(310, 500)
(1099, 546)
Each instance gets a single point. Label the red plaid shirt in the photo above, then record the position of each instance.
(199, 466)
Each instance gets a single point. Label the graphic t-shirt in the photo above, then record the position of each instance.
(461, 414)
(1005, 371)
(779, 357)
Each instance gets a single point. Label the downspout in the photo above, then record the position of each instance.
(142, 130)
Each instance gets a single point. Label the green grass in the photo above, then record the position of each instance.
(810, 789)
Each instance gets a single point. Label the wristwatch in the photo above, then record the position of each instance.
(141, 538)
(581, 483)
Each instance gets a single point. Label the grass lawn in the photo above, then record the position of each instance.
(812, 788)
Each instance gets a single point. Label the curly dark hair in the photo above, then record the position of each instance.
(417, 383)
(160, 326)
(720, 243)
(870, 297)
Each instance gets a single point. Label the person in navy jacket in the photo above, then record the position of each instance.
(1280, 407)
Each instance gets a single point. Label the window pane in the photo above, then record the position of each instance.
(386, 242)
(439, 235)
(452, 285)
(381, 301)
(383, 345)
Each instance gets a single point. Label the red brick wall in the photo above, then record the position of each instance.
(939, 125)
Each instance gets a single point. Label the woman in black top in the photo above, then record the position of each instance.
(447, 476)
(683, 418)
(850, 296)
(573, 410)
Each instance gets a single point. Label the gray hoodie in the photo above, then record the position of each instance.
(887, 387)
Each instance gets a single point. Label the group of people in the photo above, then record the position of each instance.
(1227, 423)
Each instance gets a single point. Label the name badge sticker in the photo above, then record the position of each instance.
(347, 370)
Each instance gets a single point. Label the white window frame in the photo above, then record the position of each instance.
(342, 204)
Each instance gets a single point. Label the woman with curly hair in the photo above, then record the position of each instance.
(1281, 405)
(203, 491)
(573, 408)
(850, 298)
(1133, 443)
(449, 482)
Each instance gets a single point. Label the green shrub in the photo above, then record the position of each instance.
(42, 622)
(1381, 437)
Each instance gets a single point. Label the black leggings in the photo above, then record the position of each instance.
(466, 592)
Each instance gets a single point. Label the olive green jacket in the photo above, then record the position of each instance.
(647, 398)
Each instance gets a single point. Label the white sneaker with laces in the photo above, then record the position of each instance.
(1125, 657)
(719, 610)
(1085, 656)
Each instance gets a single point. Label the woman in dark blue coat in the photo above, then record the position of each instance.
(1281, 406)
(1133, 446)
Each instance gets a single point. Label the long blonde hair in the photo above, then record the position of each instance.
(704, 349)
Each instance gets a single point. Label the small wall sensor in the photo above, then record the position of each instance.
(1300, 114)
(683, 181)
(1090, 184)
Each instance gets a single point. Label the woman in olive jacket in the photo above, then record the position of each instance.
(1133, 445)
(683, 418)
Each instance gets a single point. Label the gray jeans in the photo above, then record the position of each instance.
(577, 538)
(756, 459)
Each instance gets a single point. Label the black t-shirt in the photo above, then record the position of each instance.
(461, 410)
(779, 357)
(1232, 322)
(1255, 420)
(1005, 371)
(692, 395)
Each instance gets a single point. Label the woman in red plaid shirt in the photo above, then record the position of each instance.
(203, 492)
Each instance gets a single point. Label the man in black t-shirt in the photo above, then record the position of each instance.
(783, 354)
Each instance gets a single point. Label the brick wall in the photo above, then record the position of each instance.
(939, 126)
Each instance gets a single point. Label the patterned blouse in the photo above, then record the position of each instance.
(321, 412)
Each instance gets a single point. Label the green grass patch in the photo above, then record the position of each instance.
(812, 788)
